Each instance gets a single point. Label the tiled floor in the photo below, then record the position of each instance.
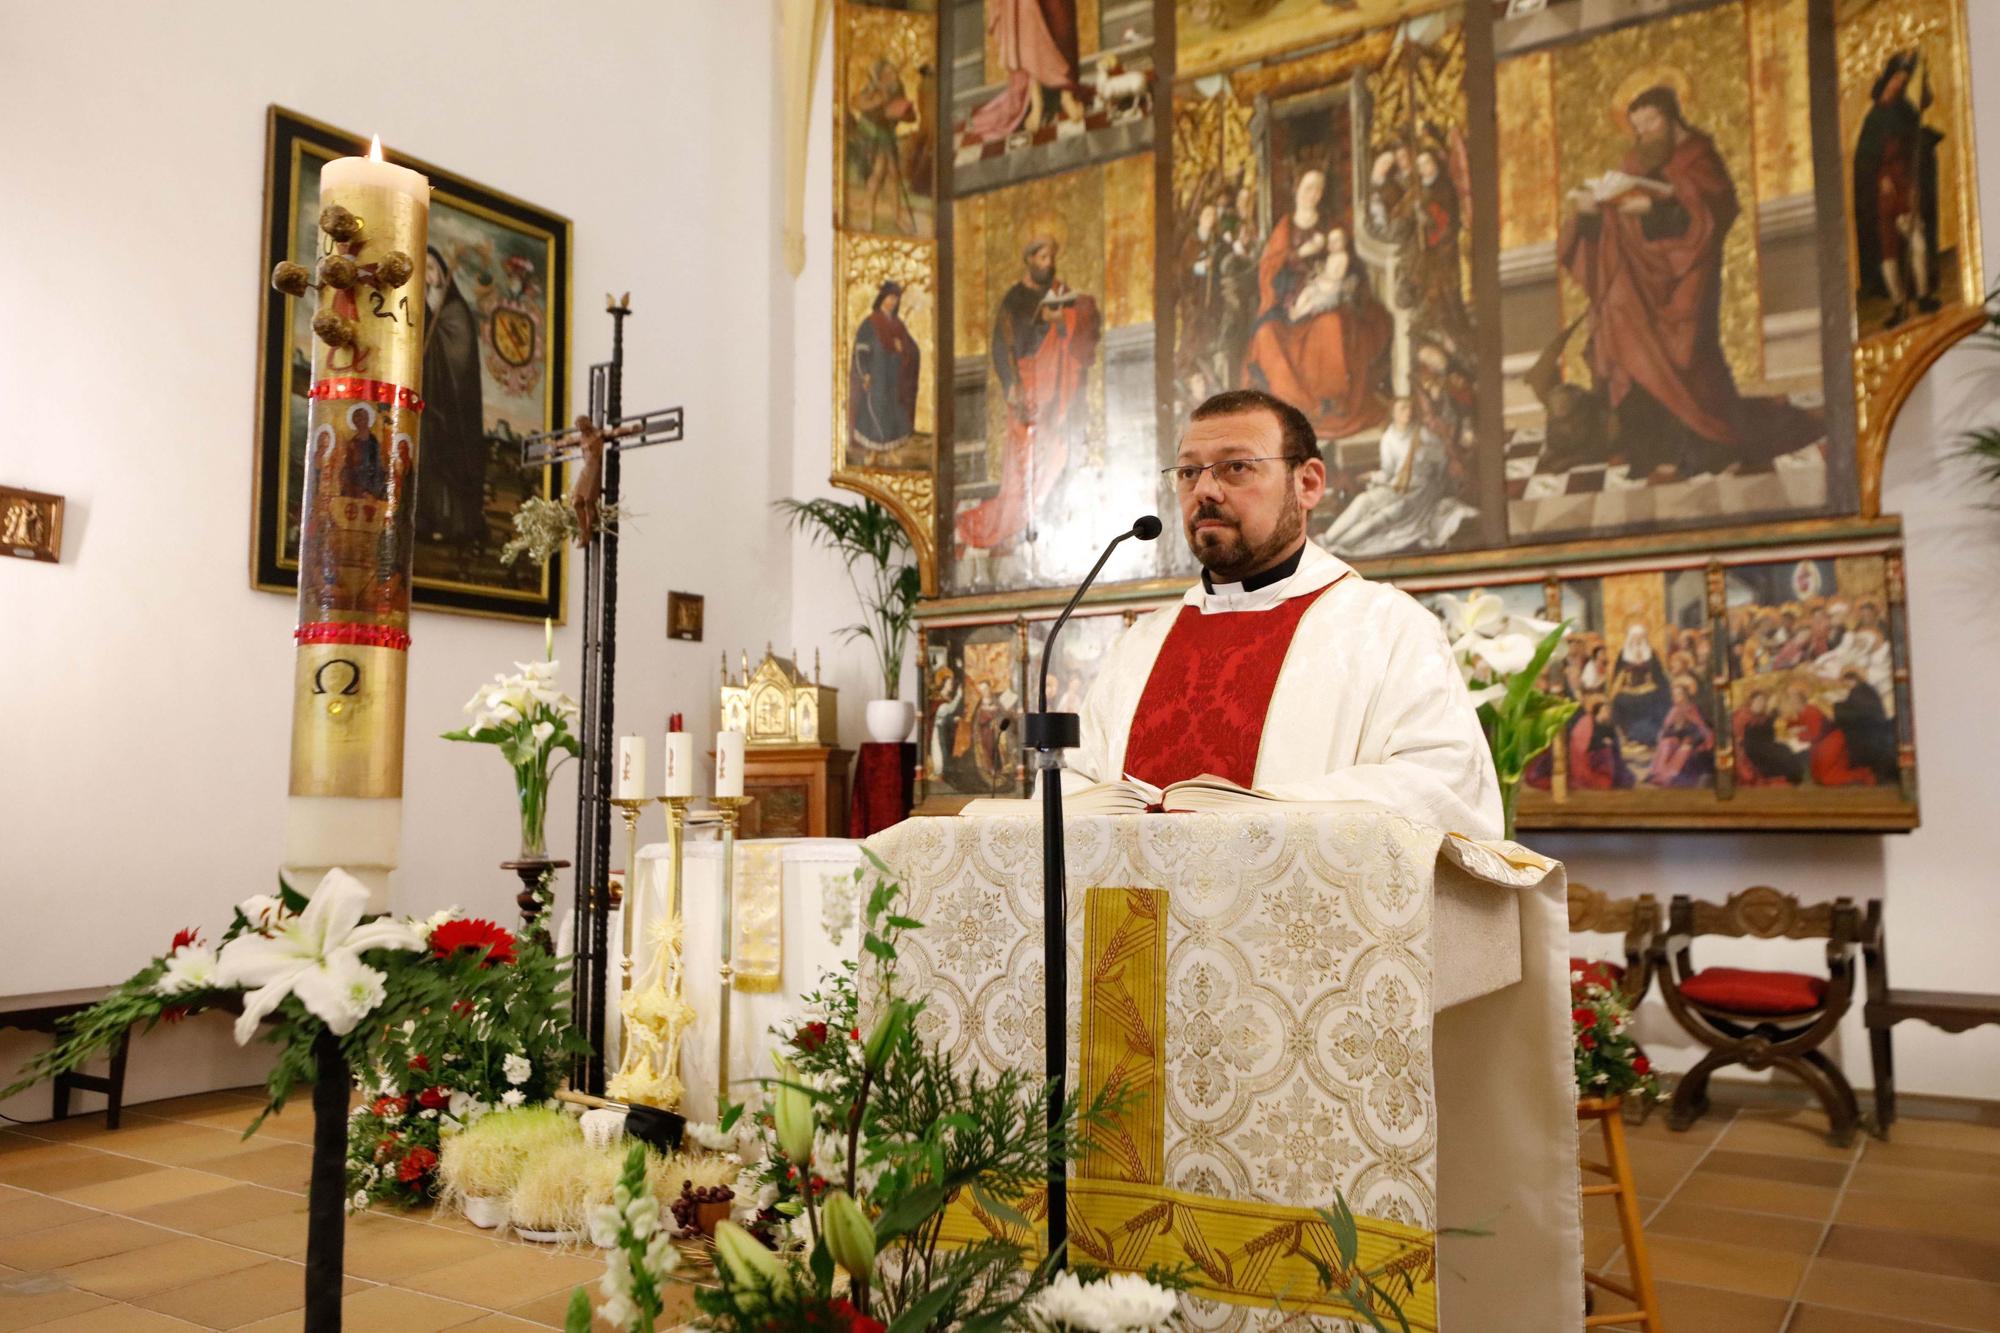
(1754, 1224)
(174, 1221)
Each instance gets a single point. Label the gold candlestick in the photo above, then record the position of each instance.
(629, 807)
(732, 809)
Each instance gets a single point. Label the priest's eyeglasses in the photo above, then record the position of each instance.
(1228, 471)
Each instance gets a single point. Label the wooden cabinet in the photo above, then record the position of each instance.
(800, 791)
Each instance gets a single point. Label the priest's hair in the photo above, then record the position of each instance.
(1297, 433)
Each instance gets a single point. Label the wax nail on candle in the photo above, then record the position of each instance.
(631, 768)
(729, 763)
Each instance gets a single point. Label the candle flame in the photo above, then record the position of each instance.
(375, 149)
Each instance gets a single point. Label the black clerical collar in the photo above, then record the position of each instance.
(1277, 573)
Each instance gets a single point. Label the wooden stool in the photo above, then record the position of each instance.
(1605, 1111)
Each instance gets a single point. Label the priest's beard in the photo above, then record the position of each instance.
(1228, 558)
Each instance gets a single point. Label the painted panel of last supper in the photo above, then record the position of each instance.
(1660, 305)
(1321, 216)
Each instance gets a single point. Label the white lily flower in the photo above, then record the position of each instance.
(1532, 626)
(1451, 610)
(541, 731)
(1507, 654)
(190, 967)
(261, 910)
(1487, 694)
(1485, 614)
(316, 956)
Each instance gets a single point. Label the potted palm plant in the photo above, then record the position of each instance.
(876, 552)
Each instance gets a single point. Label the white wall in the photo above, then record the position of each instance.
(143, 684)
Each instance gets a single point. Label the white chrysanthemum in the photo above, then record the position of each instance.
(517, 1068)
(512, 1097)
(705, 1133)
(189, 968)
(1120, 1303)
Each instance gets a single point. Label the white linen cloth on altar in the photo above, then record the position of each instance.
(1312, 971)
(1369, 706)
(807, 866)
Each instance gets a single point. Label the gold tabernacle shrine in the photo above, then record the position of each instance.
(776, 705)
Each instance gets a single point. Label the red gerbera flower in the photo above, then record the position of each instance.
(810, 1037)
(1583, 1018)
(421, 1063)
(434, 1099)
(415, 1164)
(1586, 1040)
(856, 1322)
(1641, 1065)
(461, 936)
(184, 936)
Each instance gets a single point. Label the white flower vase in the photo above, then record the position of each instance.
(890, 720)
(484, 1212)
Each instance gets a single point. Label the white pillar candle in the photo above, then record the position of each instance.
(729, 763)
(349, 172)
(631, 768)
(680, 764)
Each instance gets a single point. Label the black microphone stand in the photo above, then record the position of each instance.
(1048, 735)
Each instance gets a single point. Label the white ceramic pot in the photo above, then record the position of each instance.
(484, 1212)
(890, 720)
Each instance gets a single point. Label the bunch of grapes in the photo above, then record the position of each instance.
(684, 1208)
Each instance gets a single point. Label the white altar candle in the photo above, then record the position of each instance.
(729, 763)
(680, 764)
(631, 768)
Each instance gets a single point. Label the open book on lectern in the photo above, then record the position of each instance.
(1130, 796)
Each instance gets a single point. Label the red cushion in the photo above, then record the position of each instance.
(1596, 971)
(1739, 990)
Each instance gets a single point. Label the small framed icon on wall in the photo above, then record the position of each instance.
(31, 526)
(684, 616)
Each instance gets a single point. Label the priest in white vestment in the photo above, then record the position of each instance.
(1354, 696)
(1285, 671)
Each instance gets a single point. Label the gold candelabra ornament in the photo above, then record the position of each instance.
(732, 811)
(657, 1017)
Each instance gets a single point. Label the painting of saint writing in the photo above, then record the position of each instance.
(1645, 242)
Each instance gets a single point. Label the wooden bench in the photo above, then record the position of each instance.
(42, 1013)
(1886, 1006)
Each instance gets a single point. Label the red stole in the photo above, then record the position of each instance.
(1203, 708)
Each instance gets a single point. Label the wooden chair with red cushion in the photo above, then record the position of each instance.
(1762, 1019)
(1639, 920)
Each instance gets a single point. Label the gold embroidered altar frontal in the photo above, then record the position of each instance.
(1262, 988)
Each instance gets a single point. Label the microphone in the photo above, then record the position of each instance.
(1047, 733)
(1046, 730)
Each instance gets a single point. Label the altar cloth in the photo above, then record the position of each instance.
(1276, 991)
